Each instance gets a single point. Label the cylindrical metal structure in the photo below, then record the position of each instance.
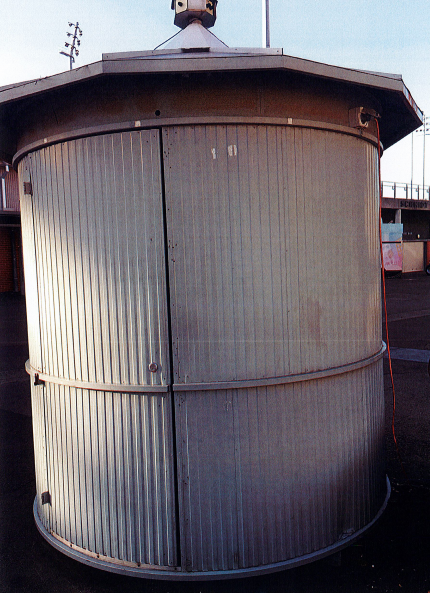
(204, 318)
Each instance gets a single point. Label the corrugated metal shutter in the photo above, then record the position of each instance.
(274, 473)
(110, 473)
(274, 271)
(98, 318)
(273, 245)
(100, 253)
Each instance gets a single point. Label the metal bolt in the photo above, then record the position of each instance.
(153, 367)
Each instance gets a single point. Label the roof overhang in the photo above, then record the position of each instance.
(399, 113)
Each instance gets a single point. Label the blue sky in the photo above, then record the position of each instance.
(366, 34)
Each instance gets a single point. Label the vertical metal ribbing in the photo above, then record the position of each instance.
(38, 392)
(257, 262)
(254, 297)
(222, 479)
(99, 249)
(96, 237)
(274, 473)
(31, 267)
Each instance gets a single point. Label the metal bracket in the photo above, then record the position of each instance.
(37, 380)
(46, 498)
(28, 188)
(361, 116)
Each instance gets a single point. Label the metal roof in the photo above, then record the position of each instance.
(400, 113)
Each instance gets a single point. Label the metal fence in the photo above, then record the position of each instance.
(405, 191)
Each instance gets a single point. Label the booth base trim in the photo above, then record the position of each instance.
(176, 573)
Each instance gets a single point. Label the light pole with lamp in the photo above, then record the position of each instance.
(72, 45)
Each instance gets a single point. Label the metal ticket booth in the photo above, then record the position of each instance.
(203, 293)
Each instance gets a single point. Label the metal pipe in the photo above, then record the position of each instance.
(265, 23)
(424, 156)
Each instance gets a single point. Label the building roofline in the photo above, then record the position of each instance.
(214, 60)
(389, 89)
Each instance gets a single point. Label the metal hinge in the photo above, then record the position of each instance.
(37, 380)
(28, 188)
(46, 498)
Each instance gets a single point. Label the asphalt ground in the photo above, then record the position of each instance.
(393, 556)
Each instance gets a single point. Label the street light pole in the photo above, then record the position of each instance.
(412, 162)
(426, 131)
(424, 156)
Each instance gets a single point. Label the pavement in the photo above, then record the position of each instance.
(393, 556)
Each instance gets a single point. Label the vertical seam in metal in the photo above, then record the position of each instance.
(37, 271)
(170, 346)
(43, 394)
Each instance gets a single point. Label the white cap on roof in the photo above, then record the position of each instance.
(193, 36)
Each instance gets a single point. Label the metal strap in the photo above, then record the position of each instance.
(113, 387)
(217, 385)
(246, 384)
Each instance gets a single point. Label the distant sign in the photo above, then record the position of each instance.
(393, 256)
(398, 203)
(392, 247)
(414, 204)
